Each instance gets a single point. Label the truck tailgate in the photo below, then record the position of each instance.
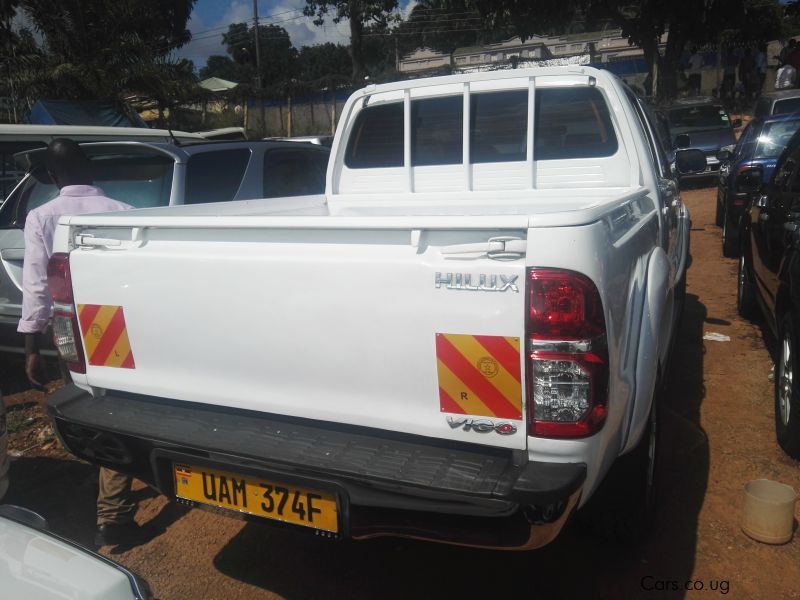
(394, 328)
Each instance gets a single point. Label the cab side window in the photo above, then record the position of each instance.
(784, 170)
(793, 164)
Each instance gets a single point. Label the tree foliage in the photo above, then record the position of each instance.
(361, 15)
(102, 49)
(278, 56)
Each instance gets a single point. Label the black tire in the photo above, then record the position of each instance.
(718, 217)
(787, 398)
(745, 292)
(623, 507)
(730, 237)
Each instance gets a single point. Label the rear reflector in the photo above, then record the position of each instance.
(567, 366)
(66, 332)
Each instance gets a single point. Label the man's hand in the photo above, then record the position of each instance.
(34, 369)
(34, 365)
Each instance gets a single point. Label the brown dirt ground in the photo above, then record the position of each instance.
(718, 431)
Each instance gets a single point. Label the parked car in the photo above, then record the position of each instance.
(769, 280)
(460, 341)
(38, 564)
(745, 168)
(4, 462)
(19, 138)
(319, 140)
(704, 124)
(224, 133)
(779, 102)
(155, 174)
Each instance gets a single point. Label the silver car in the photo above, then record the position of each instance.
(35, 563)
(146, 174)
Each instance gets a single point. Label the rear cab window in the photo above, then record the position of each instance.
(569, 123)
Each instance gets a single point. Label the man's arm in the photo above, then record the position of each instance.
(35, 297)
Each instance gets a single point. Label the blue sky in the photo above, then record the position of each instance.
(210, 20)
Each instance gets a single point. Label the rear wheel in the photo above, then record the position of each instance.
(745, 294)
(730, 237)
(623, 507)
(787, 403)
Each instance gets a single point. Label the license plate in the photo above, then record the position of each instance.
(256, 496)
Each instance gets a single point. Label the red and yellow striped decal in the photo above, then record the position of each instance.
(479, 375)
(105, 336)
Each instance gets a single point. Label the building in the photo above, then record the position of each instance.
(424, 61)
(606, 48)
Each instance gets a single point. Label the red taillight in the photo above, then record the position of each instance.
(567, 365)
(66, 332)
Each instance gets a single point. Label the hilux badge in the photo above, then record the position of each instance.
(477, 283)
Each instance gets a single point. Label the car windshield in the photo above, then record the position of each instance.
(787, 106)
(695, 118)
(774, 137)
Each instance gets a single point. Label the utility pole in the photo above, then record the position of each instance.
(258, 64)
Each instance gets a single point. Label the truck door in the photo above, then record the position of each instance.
(669, 198)
(770, 213)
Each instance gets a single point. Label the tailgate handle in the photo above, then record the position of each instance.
(87, 239)
(498, 248)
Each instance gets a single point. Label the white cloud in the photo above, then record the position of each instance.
(302, 30)
(285, 13)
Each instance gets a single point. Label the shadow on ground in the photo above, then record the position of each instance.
(64, 491)
(295, 565)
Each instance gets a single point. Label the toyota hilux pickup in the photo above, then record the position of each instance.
(460, 341)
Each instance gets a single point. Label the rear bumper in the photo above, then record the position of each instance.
(387, 484)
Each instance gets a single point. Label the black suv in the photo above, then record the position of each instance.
(769, 279)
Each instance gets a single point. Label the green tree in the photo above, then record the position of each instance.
(361, 14)
(278, 56)
(323, 62)
(643, 22)
(98, 49)
(699, 22)
(226, 68)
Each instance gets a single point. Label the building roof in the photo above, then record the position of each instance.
(215, 84)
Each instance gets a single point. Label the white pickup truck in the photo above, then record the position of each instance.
(460, 341)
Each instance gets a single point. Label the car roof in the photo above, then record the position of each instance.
(46, 132)
(781, 94)
(30, 158)
(695, 101)
(781, 117)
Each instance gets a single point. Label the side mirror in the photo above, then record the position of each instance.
(683, 140)
(688, 162)
(762, 201)
(749, 181)
(724, 154)
(736, 123)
